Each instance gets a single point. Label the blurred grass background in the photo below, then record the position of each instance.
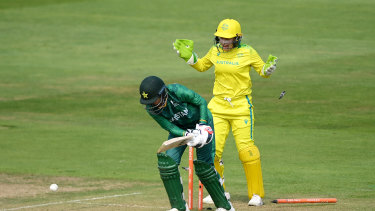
(70, 71)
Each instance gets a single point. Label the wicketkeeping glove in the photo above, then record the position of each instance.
(184, 50)
(270, 65)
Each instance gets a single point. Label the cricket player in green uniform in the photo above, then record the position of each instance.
(183, 112)
(231, 105)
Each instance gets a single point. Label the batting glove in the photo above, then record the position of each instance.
(270, 65)
(206, 132)
(184, 50)
(196, 140)
(203, 135)
(192, 132)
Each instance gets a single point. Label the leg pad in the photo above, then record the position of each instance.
(210, 179)
(170, 176)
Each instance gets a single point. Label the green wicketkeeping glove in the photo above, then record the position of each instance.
(184, 50)
(270, 65)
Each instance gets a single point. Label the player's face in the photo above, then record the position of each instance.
(157, 101)
(226, 43)
(159, 104)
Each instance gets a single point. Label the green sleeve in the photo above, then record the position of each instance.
(166, 125)
(189, 96)
(197, 106)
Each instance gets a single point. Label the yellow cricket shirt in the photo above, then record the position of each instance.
(232, 70)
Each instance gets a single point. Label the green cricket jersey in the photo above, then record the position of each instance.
(185, 108)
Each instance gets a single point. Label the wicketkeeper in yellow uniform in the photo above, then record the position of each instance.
(231, 105)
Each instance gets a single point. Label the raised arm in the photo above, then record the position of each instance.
(184, 49)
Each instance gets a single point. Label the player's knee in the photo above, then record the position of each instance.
(244, 143)
(166, 164)
(249, 154)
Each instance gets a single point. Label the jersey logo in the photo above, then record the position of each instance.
(227, 62)
(180, 114)
(246, 121)
(173, 103)
(240, 55)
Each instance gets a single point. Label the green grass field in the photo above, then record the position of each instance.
(70, 113)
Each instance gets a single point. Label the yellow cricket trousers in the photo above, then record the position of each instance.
(237, 114)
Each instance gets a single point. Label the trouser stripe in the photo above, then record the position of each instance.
(251, 117)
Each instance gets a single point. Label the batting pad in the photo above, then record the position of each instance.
(171, 178)
(210, 179)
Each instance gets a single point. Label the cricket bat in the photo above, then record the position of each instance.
(174, 142)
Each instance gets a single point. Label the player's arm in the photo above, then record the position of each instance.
(202, 135)
(184, 50)
(187, 95)
(264, 69)
(204, 63)
(168, 126)
(256, 62)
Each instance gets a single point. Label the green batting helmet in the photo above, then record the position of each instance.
(151, 89)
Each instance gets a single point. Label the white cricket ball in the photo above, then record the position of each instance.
(53, 187)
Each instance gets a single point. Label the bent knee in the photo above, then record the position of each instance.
(249, 154)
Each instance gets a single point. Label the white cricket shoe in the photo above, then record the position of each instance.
(255, 201)
(208, 199)
(222, 209)
(175, 209)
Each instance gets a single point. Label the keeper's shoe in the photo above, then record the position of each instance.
(255, 201)
(208, 199)
(222, 209)
(175, 209)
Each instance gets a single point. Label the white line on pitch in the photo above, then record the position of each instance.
(121, 205)
(71, 201)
